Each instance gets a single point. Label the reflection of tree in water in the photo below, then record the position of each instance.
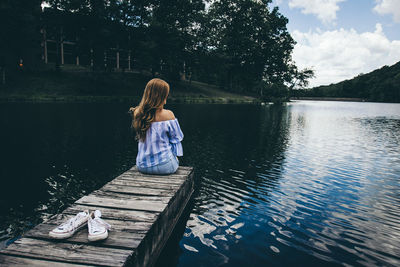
(234, 150)
(54, 153)
(274, 136)
(219, 137)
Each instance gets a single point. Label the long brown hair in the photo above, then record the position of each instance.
(154, 96)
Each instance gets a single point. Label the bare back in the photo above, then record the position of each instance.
(164, 115)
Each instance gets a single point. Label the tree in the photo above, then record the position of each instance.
(172, 34)
(242, 45)
(252, 43)
(19, 35)
(300, 79)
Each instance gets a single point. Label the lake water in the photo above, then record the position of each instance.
(302, 184)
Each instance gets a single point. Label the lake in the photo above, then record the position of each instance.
(306, 183)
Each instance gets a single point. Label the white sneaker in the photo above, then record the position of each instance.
(98, 229)
(68, 228)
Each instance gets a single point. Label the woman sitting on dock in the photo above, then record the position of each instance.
(157, 131)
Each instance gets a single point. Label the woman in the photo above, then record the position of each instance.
(157, 131)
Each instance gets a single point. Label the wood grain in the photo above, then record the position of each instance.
(6, 260)
(67, 252)
(142, 210)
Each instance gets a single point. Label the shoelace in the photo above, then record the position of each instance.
(73, 222)
(98, 224)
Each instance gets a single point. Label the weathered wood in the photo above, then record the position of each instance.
(112, 213)
(158, 235)
(151, 180)
(138, 190)
(145, 184)
(146, 205)
(136, 175)
(6, 260)
(138, 198)
(67, 252)
(115, 239)
(142, 210)
(124, 234)
(118, 224)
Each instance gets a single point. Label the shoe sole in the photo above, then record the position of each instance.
(66, 235)
(93, 238)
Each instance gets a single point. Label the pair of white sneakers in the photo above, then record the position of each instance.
(97, 228)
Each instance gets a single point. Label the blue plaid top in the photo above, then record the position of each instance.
(163, 140)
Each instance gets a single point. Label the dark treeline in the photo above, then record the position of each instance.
(239, 45)
(381, 85)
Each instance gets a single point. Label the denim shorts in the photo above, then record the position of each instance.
(164, 168)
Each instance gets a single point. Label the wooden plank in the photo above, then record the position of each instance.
(112, 213)
(117, 195)
(151, 176)
(139, 190)
(162, 228)
(144, 184)
(132, 204)
(121, 225)
(157, 176)
(150, 180)
(142, 210)
(67, 252)
(116, 238)
(19, 261)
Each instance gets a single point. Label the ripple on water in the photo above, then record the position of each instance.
(332, 194)
(310, 183)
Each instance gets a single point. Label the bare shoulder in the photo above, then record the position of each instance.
(165, 115)
(133, 111)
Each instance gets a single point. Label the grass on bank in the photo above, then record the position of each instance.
(77, 84)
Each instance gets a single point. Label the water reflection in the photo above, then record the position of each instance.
(51, 154)
(234, 188)
(311, 183)
(317, 181)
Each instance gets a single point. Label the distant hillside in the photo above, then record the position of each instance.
(382, 85)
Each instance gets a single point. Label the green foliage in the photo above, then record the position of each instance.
(236, 44)
(273, 92)
(251, 41)
(382, 85)
(19, 34)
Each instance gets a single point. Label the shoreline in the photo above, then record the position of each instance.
(88, 87)
(317, 98)
(124, 99)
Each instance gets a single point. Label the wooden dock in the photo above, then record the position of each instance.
(142, 210)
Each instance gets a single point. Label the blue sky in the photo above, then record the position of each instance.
(340, 39)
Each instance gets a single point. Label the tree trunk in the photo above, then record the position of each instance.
(3, 76)
(230, 80)
(129, 60)
(58, 56)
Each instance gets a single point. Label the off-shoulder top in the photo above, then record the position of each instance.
(163, 140)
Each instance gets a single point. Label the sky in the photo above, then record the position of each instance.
(340, 39)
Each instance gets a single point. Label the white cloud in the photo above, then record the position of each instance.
(325, 10)
(384, 7)
(342, 54)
